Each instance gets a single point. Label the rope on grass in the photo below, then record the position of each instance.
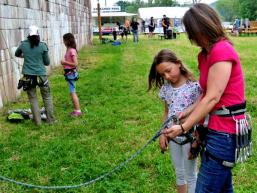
(118, 167)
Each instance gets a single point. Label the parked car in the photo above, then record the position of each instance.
(106, 29)
(227, 25)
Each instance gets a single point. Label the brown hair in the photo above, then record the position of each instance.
(165, 55)
(203, 26)
(34, 40)
(70, 40)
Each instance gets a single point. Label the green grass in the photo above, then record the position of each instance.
(119, 116)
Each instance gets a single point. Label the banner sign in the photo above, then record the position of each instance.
(108, 9)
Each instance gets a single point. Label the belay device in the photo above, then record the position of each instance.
(183, 138)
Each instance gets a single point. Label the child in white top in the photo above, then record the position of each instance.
(179, 91)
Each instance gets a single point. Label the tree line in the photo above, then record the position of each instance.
(229, 9)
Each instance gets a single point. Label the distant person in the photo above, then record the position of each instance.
(70, 63)
(122, 31)
(169, 34)
(114, 33)
(236, 26)
(127, 26)
(244, 25)
(35, 54)
(118, 24)
(179, 91)
(143, 26)
(151, 27)
(165, 25)
(134, 28)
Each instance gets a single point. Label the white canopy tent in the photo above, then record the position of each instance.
(109, 19)
(158, 12)
(174, 13)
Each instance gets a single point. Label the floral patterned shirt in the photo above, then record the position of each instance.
(178, 99)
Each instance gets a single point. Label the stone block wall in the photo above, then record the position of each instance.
(54, 18)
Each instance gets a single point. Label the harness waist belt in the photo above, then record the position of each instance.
(221, 161)
(70, 70)
(229, 111)
(184, 138)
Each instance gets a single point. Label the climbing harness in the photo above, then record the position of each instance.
(243, 134)
(71, 74)
(31, 81)
(184, 138)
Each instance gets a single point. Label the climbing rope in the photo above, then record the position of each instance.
(118, 167)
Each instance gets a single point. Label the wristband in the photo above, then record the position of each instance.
(182, 128)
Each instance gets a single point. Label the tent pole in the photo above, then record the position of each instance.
(99, 21)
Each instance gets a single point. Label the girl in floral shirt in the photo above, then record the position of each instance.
(179, 91)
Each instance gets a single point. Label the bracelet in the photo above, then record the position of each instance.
(182, 128)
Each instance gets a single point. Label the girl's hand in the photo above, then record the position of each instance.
(163, 142)
(63, 62)
(173, 131)
(181, 116)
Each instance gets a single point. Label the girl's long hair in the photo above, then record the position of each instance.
(203, 26)
(34, 40)
(70, 41)
(155, 79)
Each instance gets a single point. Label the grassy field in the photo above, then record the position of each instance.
(119, 116)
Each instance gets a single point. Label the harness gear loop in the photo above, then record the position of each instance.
(243, 130)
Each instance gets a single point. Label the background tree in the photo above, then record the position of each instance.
(241, 8)
(133, 6)
(150, 3)
(248, 9)
(228, 9)
(164, 3)
(122, 4)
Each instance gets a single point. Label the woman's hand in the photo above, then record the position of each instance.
(173, 131)
(163, 142)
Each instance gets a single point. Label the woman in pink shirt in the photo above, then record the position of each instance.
(222, 106)
(70, 63)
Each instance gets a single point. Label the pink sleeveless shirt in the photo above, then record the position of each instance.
(234, 91)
